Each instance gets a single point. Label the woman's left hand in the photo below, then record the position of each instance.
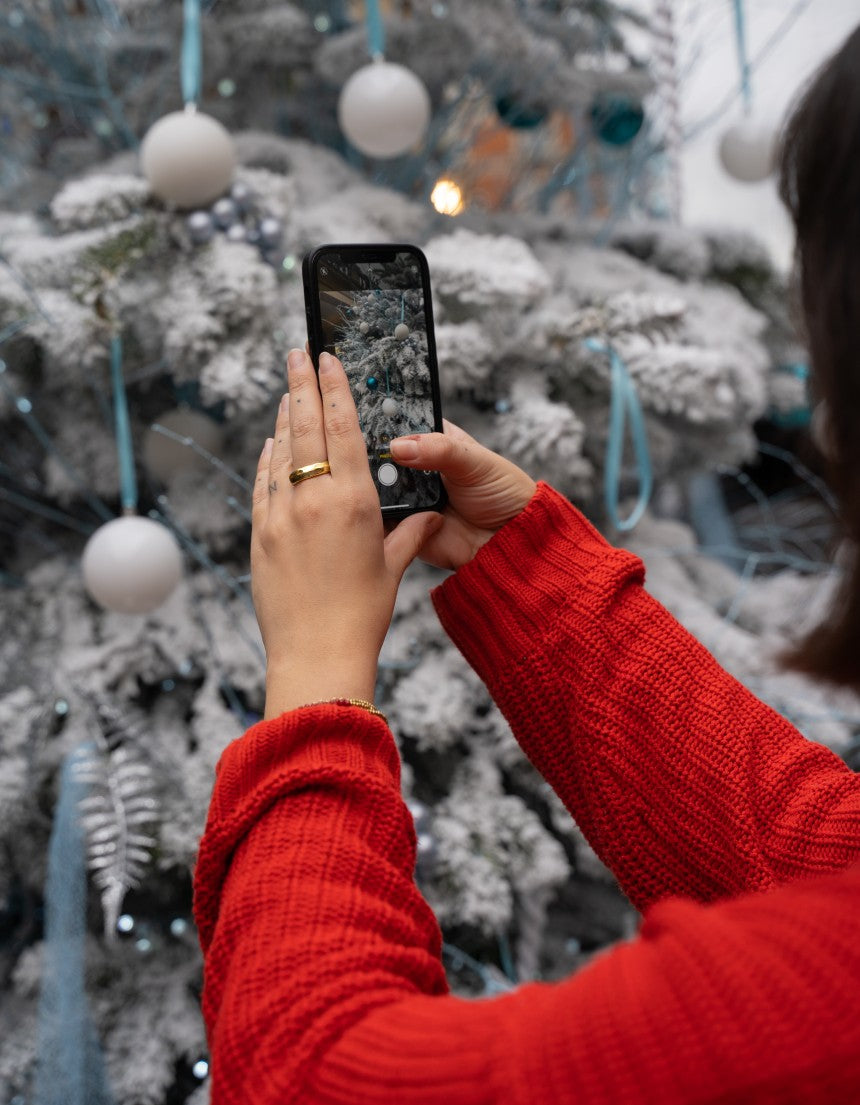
(324, 575)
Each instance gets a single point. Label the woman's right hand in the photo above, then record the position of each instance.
(484, 490)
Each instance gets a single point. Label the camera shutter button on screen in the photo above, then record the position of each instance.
(387, 474)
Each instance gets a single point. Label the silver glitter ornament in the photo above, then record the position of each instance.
(241, 195)
(271, 231)
(200, 227)
(225, 213)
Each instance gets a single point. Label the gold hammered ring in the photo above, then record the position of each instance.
(321, 468)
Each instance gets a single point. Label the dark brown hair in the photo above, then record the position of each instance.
(820, 185)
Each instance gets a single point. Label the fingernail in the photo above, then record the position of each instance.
(326, 362)
(296, 358)
(285, 402)
(267, 448)
(404, 448)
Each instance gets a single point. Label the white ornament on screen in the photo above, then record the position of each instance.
(131, 565)
(390, 407)
(188, 158)
(164, 456)
(748, 151)
(363, 327)
(384, 109)
(401, 331)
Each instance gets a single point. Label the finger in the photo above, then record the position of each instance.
(281, 460)
(406, 540)
(347, 452)
(306, 438)
(260, 500)
(455, 454)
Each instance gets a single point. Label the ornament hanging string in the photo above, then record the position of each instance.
(624, 404)
(192, 53)
(127, 479)
(743, 59)
(375, 30)
(70, 1067)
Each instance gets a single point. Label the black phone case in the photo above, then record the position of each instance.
(377, 252)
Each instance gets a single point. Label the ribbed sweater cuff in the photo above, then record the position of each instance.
(502, 602)
(273, 758)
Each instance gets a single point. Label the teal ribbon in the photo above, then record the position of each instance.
(192, 52)
(375, 29)
(70, 1067)
(127, 479)
(624, 403)
(743, 58)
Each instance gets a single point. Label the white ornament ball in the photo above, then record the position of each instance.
(164, 456)
(748, 151)
(131, 565)
(384, 109)
(390, 407)
(401, 331)
(363, 327)
(188, 158)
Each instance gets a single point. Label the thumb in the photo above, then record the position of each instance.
(407, 538)
(455, 454)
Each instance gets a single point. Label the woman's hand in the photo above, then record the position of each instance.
(484, 491)
(324, 575)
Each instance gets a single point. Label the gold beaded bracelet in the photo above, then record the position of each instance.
(363, 703)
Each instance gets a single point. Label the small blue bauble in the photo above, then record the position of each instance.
(372, 383)
(616, 118)
(518, 115)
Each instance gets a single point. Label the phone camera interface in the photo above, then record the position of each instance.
(374, 320)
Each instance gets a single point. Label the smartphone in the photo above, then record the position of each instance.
(370, 306)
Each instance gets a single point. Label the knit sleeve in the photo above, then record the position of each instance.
(681, 779)
(324, 986)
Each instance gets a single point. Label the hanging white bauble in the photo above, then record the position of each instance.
(363, 327)
(384, 109)
(164, 457)
(131, 565)
(401, 331)
(390, 407)
(188, 158)
(748, 151)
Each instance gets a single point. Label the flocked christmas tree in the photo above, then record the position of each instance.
(556, 294)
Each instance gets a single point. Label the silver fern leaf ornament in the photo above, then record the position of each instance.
(118, 815)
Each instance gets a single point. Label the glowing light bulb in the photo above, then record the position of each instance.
(447, 197)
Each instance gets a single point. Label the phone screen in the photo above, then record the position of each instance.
(374, 314)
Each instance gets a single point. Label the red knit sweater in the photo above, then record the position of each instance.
(737, 838)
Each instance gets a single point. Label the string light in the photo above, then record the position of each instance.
(447, 197)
